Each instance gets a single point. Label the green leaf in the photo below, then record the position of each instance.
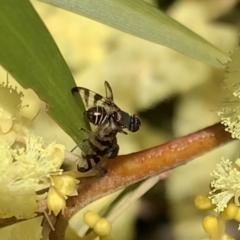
(30, 55)
(143, 20)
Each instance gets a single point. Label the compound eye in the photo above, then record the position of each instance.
(135, 123)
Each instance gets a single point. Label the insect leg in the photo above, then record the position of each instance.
(74, 148)
(85, 130)
(90, 162)
(112, 151)
(85, 169)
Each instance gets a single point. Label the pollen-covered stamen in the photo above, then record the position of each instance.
(26, 171)
(10, 100)
(229, 106)
(226, 184)
(10, 119)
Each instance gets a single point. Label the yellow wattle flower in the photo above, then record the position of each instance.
(229, 106)
(24, 172)
(225, 184)
(11, 121)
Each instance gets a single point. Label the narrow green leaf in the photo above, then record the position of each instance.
(30, 55)
(143, 20)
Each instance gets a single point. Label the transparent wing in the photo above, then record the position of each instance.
(91, 98)
(108, 91)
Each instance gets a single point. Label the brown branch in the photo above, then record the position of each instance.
(128, 169)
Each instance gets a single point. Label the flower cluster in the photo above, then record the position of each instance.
(24, 172)
(229, 107)
(29, 170)
(215, 225)
(225, 187)
(11, 122)
(226, 184)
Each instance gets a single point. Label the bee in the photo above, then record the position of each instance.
(101, 109)
(99, 144)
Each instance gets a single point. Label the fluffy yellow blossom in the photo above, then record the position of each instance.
(229, 109)
(226, 184)
(10, 120)
(10, 100)
(23, 172)
(30, 169)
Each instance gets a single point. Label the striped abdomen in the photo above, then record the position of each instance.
(94, 148)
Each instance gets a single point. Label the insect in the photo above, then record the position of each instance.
(100, 143)
(100, 109)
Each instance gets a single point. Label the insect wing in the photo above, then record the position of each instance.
(108, 91)
(89, 97)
